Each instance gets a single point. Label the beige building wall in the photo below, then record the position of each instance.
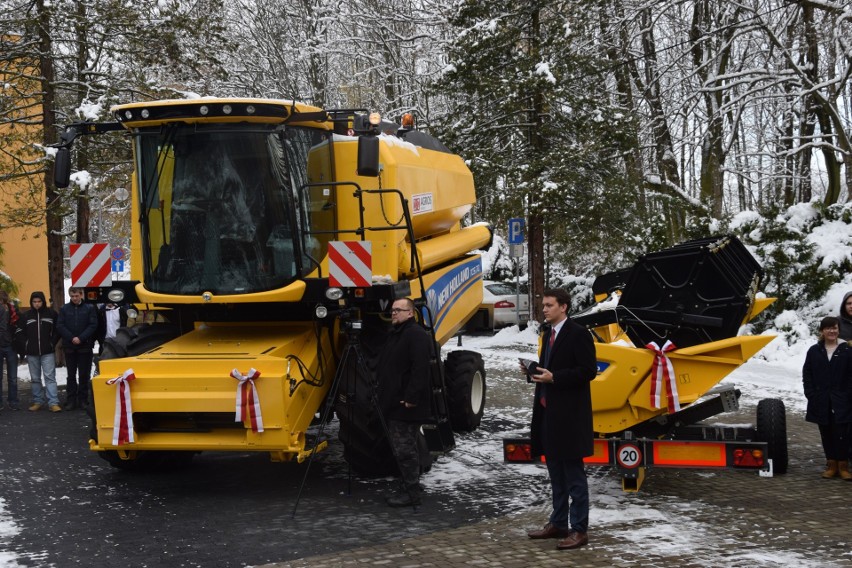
(24, 257)
(25, 260)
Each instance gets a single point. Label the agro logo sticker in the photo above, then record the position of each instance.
(421, 203)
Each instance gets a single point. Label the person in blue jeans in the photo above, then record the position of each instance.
(36, 338)
(78, 327)
(7, 354)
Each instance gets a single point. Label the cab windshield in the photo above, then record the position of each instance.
(219, 207)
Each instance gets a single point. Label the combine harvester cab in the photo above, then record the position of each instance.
(242, 205)
(666, 335)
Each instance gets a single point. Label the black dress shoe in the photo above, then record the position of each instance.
(549, 531)
(404, 499)
(574, 539)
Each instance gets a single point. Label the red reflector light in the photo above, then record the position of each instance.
(360, 292)
(748, 458)
(517, 453)
(504, 304)
(92, 294)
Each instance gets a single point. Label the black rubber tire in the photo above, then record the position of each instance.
(772, 429)
(368, 453)
(365, 445)
(125, 335)
(149, 337)
(464, 373)
(112, 350)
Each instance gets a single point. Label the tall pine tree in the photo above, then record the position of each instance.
(532, 112)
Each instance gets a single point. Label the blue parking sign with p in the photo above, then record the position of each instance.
(516, 231)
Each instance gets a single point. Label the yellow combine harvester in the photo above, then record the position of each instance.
(239, 204)
(666, 333)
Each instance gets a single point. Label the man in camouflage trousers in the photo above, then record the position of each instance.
(404, 395)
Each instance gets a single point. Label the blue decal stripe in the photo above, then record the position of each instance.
(450, 303)
(440, 304)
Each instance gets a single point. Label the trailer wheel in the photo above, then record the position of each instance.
(772, 429)
(464, 372)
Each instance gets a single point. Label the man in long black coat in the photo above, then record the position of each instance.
(404, 395)
(562, 428)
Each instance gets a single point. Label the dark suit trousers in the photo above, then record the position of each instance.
(79, 363)
(568, 480)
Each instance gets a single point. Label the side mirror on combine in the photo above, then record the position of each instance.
(368, 156)
(62, 168)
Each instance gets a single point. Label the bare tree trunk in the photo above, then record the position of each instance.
(806, 130)
(83, 210)
(536, 220)
(535, 254)
(713, 153)
(55, 256)
(666, 163)
(617, 53)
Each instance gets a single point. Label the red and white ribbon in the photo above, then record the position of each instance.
(122, 430)
(663, 370)
(247, 398)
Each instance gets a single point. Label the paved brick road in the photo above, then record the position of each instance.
(71, 509)
(734, 519)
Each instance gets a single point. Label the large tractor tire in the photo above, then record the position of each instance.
(369, 453)
(772, 429)
(365, 442)
(130, 342)
(464, 373)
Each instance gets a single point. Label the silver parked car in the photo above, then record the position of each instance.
(498, 305)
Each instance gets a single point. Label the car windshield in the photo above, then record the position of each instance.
(501, 289)
(218, 207)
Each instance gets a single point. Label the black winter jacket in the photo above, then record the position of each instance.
(5, 331)
(78, 320)
(36, 333)
(403, 373)
(845, 320)
(564, 428)
(828, 384)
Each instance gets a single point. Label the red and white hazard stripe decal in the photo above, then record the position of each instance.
(90, 264)
(350, 263)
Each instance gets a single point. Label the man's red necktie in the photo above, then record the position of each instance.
(549, 349)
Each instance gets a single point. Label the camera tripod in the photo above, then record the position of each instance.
(351, 363)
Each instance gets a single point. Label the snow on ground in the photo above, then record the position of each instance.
(776, 376)
(477, 458)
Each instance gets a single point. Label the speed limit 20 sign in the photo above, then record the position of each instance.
(629, 456)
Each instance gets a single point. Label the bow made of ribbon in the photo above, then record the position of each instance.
(247, 399)
(122, 430)
(661, 371)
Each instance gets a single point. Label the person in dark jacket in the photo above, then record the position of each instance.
(7, 353)
(845, 317)
(404, 395)
(562, 428)
(36, 338)
(78, 327)
(827, 381)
